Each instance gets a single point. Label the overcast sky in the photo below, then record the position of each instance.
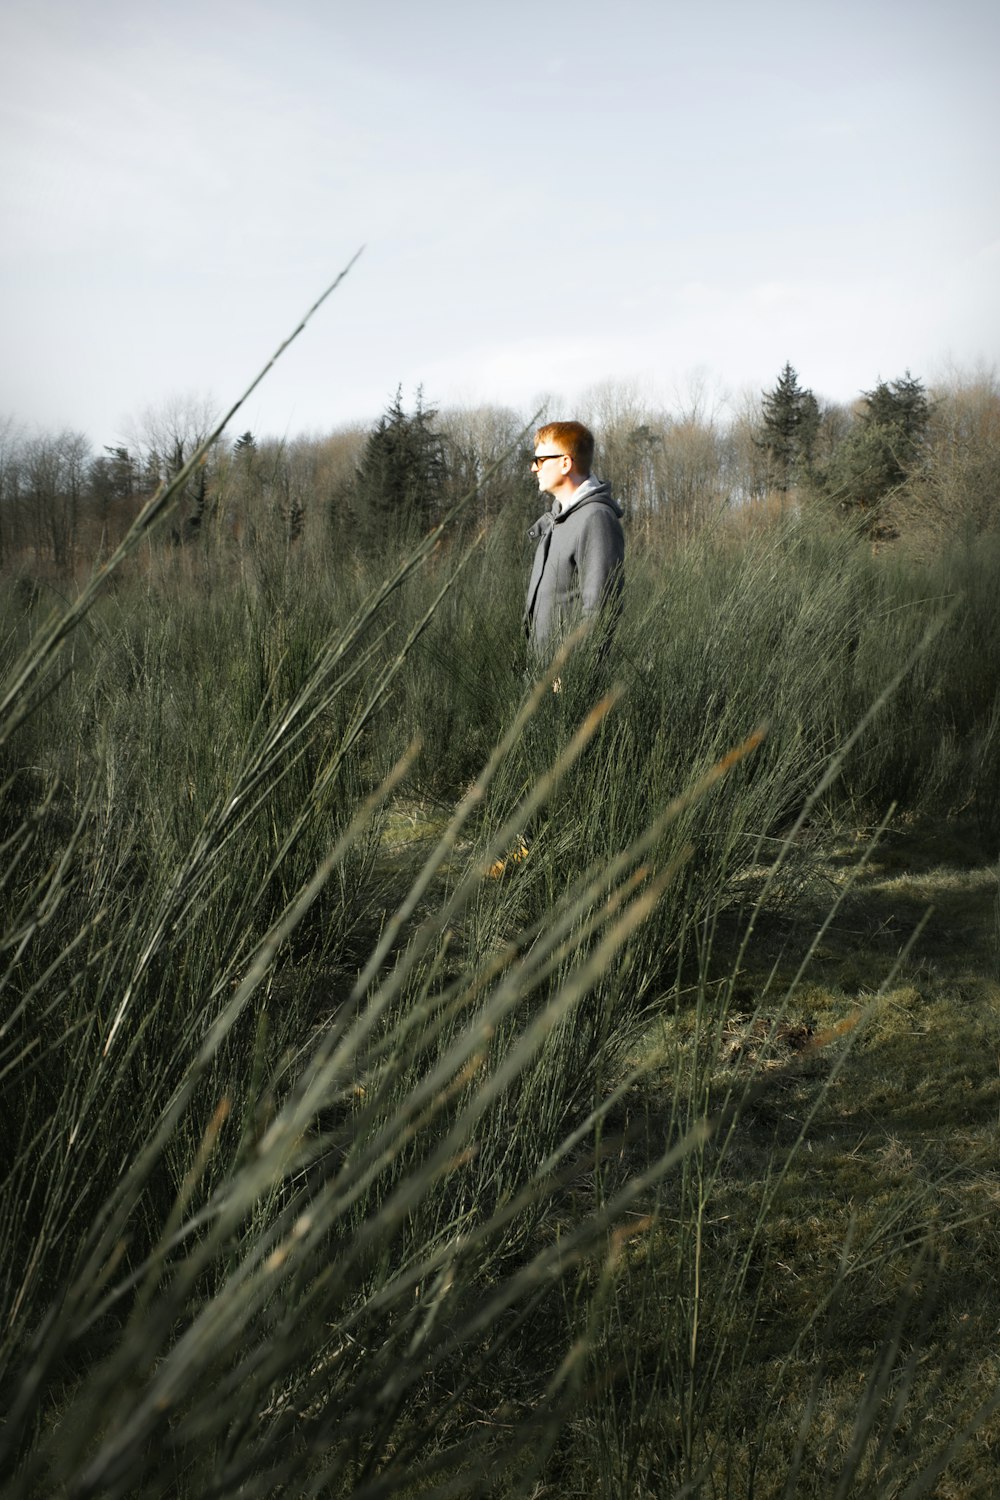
(551, 196)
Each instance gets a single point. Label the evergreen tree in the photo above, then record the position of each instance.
(901, 409)
(402, 478)
(790, 424)
(112, 476)
(880, 452)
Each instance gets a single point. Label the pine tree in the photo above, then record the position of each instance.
(901, 409)
(790, 423)
(880, 452)
(402, 478)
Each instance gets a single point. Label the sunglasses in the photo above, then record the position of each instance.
(539, 458)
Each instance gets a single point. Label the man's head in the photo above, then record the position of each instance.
(564, 452)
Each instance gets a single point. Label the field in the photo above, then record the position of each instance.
(418, 1081)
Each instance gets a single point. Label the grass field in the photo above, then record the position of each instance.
(850, 1214)
(659, 1163)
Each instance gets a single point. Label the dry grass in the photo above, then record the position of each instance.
(852, 1206)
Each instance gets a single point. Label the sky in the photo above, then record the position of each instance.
(551, 198)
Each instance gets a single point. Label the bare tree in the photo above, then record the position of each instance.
(11, 445)
(700, 400)
(628, 433)
(165, 436)
(746, 460)
(479, 439)
(690, 476)
(54, 473)
(955, 492)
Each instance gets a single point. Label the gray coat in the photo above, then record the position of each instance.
(578, 565)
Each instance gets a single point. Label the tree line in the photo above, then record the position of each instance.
(901, 462)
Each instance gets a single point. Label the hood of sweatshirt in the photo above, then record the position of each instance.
(590, 490)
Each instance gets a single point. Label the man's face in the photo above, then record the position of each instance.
(549, 465)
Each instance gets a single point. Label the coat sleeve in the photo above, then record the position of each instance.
(600, 556)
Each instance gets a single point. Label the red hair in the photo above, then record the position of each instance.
(573, 438)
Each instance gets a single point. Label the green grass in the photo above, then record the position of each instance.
(850, 1211)
(659, 1164)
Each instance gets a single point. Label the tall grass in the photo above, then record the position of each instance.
(326, 1173)
(261, 1256)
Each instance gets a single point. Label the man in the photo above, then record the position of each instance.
(579, 559)
(578, 569)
